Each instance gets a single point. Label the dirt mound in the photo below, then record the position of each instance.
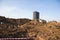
(11, 27)
(29, 28)
(41, 31)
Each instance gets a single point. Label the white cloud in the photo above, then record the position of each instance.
(14, 12)
(5, 10)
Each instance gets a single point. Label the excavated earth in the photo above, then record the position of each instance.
(24, 28)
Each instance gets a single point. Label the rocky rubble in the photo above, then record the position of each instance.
(43, 31)
(10, 28)
(18, 28)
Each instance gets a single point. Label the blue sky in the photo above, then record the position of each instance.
(49, 9)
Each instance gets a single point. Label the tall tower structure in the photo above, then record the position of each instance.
(36, 16)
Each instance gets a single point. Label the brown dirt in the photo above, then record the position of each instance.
(29, 28)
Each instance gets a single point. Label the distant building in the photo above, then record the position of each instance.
(36, 15)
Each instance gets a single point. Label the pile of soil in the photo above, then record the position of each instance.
(10, 28)
(43, 31)
(23, 28)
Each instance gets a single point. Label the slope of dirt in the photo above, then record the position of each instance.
(11, 27)
(29, 28)
(41, 31)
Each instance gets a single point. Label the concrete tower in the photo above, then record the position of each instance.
(36, 16)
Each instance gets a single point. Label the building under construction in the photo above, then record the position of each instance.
(36, 16)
